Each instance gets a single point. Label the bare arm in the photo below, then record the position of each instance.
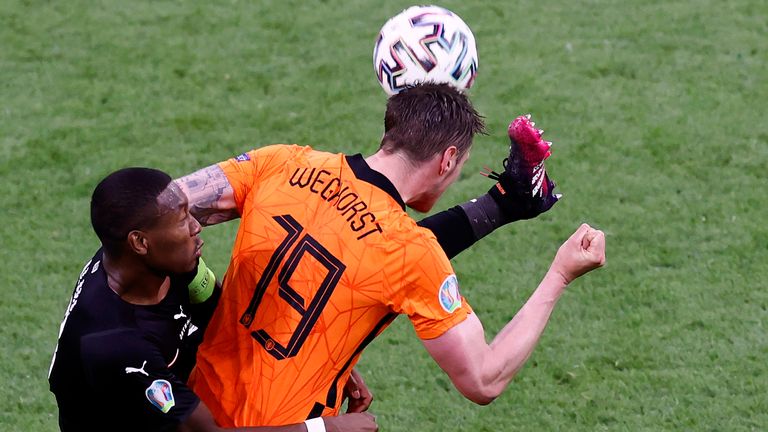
(201, 420)
(358, 393)
(481, 371)
(211, 197)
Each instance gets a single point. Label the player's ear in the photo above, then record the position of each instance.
(448, 159)
(138, 242)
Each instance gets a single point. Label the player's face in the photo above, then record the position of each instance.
(174, 243)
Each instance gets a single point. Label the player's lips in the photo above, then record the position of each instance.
(199, 249)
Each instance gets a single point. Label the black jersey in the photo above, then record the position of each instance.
(120, 366)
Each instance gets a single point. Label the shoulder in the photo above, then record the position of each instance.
(93, 306)
(123, 344)
(261, 163)
(293, 156)
(412, 253)
(271, 154)
(402, 231)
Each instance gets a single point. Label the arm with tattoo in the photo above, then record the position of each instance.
(211, 197)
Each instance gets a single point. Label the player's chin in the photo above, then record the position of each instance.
(422, 205)
(196, 258)
(191, 263)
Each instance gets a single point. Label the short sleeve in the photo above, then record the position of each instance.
(429, 290)
(244, 171)
(130, 373)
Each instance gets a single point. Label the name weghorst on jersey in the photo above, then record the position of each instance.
(332, 190)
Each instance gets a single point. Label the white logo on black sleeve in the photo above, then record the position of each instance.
(140, 370)
(180, 315)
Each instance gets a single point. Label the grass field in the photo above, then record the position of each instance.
(658, 114)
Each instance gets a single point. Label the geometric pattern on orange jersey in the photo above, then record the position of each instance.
(325, 258)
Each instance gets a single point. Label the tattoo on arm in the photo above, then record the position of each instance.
(211, 197)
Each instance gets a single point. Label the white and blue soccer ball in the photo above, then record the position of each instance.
(425, 43)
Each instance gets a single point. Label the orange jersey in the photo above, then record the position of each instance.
(325, 258)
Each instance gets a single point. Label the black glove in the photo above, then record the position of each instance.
(524, 189)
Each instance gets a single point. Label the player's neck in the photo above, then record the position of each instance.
(133, 281)
(410, 180)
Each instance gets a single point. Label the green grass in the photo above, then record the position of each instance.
(657, 110)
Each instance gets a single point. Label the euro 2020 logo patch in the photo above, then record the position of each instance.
(160, 394)
(449, 296)
(243, 157)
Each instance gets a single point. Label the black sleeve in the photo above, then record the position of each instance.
(452, 229)
(201, 313)
(130, 373)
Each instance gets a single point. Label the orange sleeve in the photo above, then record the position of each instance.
(429, 294)
(243, 171)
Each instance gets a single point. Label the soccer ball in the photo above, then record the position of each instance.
(425, 43)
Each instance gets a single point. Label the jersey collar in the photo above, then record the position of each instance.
(367, 174)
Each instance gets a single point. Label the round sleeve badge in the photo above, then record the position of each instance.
(160, 394)
(449, 296)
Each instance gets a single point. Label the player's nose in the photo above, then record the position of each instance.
(195, 227)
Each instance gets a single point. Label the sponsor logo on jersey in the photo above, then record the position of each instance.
(130, 370)
(72, 303)
(181, 313)
(449, 296)
(185, 329)
(192, 328)
(188, 328)
(160, 394)
(243, 157)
